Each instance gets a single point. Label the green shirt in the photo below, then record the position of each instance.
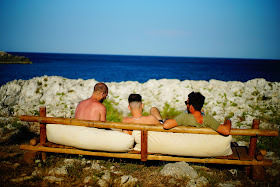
(186, 119)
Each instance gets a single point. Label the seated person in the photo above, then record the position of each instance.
(196, 118)
(92, 108)
(136, 108)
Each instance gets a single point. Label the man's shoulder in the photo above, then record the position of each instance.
(183, 115)
(127, 119)
(151, 119)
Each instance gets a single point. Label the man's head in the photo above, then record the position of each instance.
(135, 102)
(195, 99)
(101, 90)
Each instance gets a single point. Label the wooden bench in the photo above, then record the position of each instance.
(251, 157)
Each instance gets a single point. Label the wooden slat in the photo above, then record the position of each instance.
(134, 126)
(211, 160)
(242, 153)
(234, 154)
(150, 157)
(222, 157)
(80, 152)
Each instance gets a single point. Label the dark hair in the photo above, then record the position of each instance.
(196, 99)
(100, 87)
(134, 97)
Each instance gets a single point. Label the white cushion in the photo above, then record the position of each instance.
(185, 144)
(89, 138)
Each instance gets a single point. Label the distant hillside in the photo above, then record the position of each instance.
(6, 58)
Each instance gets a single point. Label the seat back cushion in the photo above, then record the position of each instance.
(185, 144)
(89, 138)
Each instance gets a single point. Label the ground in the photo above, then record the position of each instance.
(14, 171)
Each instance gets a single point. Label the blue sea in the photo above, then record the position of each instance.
(118, 68)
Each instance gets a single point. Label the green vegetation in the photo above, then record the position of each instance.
(230, 115)
(112, 113)
(233, 104)
(42, 102)
(39, 83)
(169, 112)
(8, 58)
(269, 143)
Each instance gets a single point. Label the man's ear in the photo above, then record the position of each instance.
(191, 108)
(142, 105)
(128, 107)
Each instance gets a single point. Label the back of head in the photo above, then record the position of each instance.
(196, 99)
(134, 98)
(135, 101)
(100, 88)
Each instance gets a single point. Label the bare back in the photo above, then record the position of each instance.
(150, 119)
(91, 110)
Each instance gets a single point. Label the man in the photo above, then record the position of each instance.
(196, 118)
(92, 108)
(136, 108)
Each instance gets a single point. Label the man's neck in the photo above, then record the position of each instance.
(196, 113)
(94, 98)
(136, 114)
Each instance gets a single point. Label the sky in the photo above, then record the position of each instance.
(188, 28)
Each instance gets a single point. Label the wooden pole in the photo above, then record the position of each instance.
(135, 126)
(253, 139)
(43, 131)
(43, 135)
(144, 145)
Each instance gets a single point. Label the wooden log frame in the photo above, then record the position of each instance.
(241, 155)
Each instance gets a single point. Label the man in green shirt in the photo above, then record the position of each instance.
(196, 118)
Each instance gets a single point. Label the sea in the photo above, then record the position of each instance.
(118, 68)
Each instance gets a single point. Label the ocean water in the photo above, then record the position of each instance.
(117, 68)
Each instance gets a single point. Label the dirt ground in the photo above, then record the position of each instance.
(15, 171)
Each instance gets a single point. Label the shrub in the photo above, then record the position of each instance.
(169, 112)
(112, 113)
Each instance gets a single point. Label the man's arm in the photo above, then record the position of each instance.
(225, 128)
(169, 123)
(103, 113)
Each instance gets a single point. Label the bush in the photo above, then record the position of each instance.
(169, 112)
(112, 113)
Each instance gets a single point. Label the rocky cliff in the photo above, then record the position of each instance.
(241, 102)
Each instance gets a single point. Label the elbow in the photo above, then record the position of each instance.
(165, 126)
(226, 133)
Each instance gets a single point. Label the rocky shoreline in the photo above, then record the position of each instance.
(6, 58)
(241, 102)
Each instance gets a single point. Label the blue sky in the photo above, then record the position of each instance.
(190, 28)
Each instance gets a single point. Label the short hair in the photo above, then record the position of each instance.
(101, 87)
(196, 99)
(134, 98)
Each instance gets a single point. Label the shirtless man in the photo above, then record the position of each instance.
(196, 118)
(136, 108)
(92, 108)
